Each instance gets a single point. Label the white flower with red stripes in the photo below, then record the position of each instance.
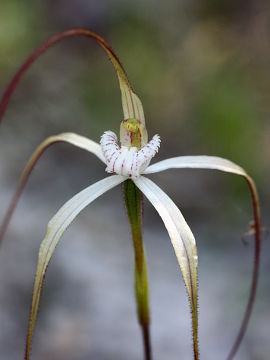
(126, 162)
(129, 161)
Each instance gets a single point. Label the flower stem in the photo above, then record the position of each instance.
(133, 201)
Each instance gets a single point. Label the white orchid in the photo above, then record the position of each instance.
(129, 163)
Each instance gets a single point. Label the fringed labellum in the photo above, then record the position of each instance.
(128, 161)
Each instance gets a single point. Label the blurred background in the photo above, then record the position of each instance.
(201, 69)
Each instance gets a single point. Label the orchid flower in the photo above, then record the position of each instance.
(129, 163)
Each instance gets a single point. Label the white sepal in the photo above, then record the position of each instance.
(181, 236)
(55, 230)
(182, 240)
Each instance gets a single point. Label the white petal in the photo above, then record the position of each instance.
(55, 230)
(199, 162)
(71, 138)
(82, 142)
(181, 237)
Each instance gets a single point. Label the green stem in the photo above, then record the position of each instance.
(133, 203)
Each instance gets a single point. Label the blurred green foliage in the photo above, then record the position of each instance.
(192, 64)
(227, 119)
(201, 69)
(20, 25)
